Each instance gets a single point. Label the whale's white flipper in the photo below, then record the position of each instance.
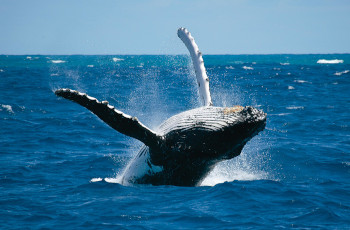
(198, 63)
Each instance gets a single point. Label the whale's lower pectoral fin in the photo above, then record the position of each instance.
(119, 121)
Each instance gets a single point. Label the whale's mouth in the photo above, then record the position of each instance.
(254, 119)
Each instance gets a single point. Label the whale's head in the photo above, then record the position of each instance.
(213, 134)
(195, 140)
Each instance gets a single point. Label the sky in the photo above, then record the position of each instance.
(149, 27)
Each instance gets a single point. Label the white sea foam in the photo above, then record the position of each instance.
(117, 59)
(90, 66)
(295, 107)
(279, 114)
(237, 169)
(57, 61)
(300, 81)
(229, 67)
(95, 179)
(247, 67)
(342, 72)
(290, 87)
(113, 180)
(8, 108)
(218, 176)
(54, 74)
(334, 61)
(249, 165)
(29, 58)
(286, 63)
(1, 70)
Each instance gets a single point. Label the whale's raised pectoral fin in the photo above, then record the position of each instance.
(198, 64)
(119, 121)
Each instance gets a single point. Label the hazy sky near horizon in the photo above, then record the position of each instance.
(149, 27)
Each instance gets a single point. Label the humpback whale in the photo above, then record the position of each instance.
(188, 145)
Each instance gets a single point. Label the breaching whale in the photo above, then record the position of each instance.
(188, 145)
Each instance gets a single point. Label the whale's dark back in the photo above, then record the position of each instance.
(209, 118)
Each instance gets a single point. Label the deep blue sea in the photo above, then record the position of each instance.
(59, 164)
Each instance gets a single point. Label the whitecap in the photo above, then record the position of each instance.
(29, 57)
(280, 114)
(342, 72)
(300, 81)
(229, 67)
(1, 70)
(54, 74)
(286, 63)
(295, 107)
(290, 87)
(96, 180)
(90, 66)
(8, 108)
(57, 61)
(247, 67)
(334, 61)
(117, 59)
(113, 180)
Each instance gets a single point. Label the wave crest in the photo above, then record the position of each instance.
(334, 61)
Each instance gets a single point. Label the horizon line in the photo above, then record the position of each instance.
(180, 54)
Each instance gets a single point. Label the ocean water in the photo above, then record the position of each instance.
(59, 164)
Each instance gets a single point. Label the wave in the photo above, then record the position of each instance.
(334, 61)
(90, 66)
(295, 107)
(290, 87)
(57, 61)
(247, 68)
(96, 179)
(342, 72)
(8, 108)
(116, 180)
(117, 59)
(286, 63)
(301, 81)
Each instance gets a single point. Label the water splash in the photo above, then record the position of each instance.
(250, 165)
